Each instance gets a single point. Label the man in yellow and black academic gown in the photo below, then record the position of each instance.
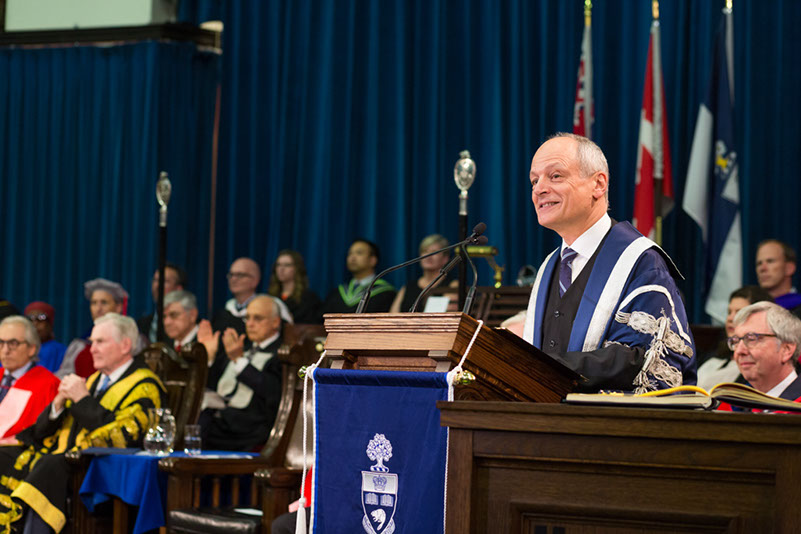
(109, 409)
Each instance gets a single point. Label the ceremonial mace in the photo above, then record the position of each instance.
(163, 192)
(464, 173)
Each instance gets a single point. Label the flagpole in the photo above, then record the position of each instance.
(657, 135)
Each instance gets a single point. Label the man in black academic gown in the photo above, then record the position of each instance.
(241, 413)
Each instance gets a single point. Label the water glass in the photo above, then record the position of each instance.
(192, 440)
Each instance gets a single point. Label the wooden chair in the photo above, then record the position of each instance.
(188, 477)
(184, 376)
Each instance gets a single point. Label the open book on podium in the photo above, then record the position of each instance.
(505, 366)
(692, 397)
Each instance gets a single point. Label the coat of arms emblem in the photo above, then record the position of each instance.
(379, 489)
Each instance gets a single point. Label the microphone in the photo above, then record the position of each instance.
(480, 240)
(471, 293)
(477, 231)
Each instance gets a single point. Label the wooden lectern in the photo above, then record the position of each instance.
(505, 366)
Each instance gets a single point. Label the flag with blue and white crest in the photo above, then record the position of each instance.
(712, 191)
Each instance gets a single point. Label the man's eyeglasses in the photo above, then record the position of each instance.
(232, 275)
(750, 339)
(38, 317)
(13, 344)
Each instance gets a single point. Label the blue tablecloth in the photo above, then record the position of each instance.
(135, 479)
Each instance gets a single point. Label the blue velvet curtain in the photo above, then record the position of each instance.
(342, 118)
(84, 132)
(345, 117)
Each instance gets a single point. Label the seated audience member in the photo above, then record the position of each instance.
(51, 353)
(243, 280)
(431, 266)
(180, 318)
(721, 367)
(766, 344)
(174, 280)
(775, 267)
(110, 409)
(290, 283)
(362, 259)
(244, 277)
(104, 296)
(25, 387)
(242, 413)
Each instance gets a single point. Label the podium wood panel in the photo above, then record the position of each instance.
(505, 366)
(572, 469)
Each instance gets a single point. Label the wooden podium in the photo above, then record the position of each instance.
(505, 366)
(522, 467)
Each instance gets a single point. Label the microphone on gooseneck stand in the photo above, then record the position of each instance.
(477, 231)
(480, 240)
(471, 293)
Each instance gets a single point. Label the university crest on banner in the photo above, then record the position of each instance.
(383, 471)
(379, 489)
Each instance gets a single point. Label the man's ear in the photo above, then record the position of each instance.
(193, 315)
(789, 268)
(373, 261)
(601, 184)
(786, 351)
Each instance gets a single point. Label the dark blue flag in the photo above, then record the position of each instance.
(380, 452)
(712, 192)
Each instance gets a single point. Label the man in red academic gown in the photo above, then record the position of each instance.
(26, 388)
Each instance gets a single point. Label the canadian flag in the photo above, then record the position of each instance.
(653, 153)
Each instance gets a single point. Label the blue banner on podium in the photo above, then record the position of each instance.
(380, 452)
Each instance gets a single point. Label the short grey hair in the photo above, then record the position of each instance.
(31, 335)
(590, 156)
(124, 327)
(186, 299)
(785, 325)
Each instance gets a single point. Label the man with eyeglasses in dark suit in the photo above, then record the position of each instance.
(766, 345)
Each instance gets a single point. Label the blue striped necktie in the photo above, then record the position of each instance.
(566, 270)
(8, 380)
(103, 386)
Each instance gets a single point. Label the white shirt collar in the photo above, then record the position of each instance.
(115, 375)
(587, 243)
(779, 388)
(189, 337)
(267, 342)
(21, 371)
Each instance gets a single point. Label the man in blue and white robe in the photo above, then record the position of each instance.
(605, 303)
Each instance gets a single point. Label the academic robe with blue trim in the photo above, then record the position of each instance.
(630, 331)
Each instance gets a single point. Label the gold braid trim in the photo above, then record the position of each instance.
(111, 434)
(38, 502)
(9, 482)
(24, 458)
(13, 514)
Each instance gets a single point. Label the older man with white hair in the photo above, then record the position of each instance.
(766, 345)
(249, 390)
(605, 302)
(109, 409)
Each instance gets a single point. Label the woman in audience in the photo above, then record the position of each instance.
(289, 282)
(722, 367)
(405, 298)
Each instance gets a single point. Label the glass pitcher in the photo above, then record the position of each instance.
(160, 437)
